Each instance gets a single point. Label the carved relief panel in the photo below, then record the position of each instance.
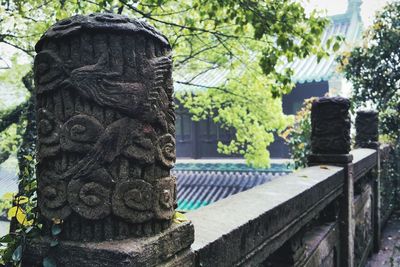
(330, 126)
(106, 128)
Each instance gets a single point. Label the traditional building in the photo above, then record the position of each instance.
(312, 77)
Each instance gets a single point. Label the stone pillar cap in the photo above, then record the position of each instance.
(100, 22)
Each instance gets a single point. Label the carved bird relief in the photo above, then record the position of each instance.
(145, 98)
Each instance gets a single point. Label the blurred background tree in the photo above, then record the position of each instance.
(374, 71)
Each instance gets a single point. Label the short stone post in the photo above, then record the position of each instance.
(106, 145)
(367, 136)
(330, 144)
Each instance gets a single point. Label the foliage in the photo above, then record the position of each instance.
(375, 73)
(298, 136)
(22, 214)
(250, 38)
(374, 70)
(20, 209)
(6, 202)
(255, 115)
(9, 142)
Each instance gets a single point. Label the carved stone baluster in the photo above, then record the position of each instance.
(330, 144)
(367, 134)
(106, 140)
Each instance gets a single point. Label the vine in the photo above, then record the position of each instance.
(298, 136)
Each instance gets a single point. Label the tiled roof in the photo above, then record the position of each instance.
(228, 166)
(199, 184)
(347, 25)
(203, 184)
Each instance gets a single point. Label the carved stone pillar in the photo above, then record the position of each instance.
(330, 133)
(106, 129)
(330, 144)
(367, 134)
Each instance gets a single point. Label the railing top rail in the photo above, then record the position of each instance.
(364, 159)
(251, 225)
(246, 227)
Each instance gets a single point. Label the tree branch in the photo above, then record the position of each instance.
(146, 15)
(12, 116)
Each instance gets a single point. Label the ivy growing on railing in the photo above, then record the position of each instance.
(298, 136)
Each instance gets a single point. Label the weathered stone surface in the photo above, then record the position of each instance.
(363, 237)
(170, 248)
(346, 222)
(322, 243)
(106, 128)
(367, 134)
(244, 229)
(364, 159)
(330, 121)
(336, 159)
(290, 254)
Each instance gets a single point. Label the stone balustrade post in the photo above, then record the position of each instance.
(330, 145)
(367, 136)
(106, 145)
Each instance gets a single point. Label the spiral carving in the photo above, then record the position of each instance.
(133, 201)
(52, 196)
(80, 133)
(90, 197)
(48, 132)
(166, 149)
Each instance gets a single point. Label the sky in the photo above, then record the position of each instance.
(368, 8)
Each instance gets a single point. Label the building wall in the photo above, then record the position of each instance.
(200, 139)
(291, 103)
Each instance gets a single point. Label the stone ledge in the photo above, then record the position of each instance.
(316, 159)
(167, 248)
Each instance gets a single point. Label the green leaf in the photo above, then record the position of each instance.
(56, 229)
(49, 262)
(17, 254)
(336, 47)
(28, 157)
(6, 239)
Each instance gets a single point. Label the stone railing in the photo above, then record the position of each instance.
(106, 146)
(329, 214)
